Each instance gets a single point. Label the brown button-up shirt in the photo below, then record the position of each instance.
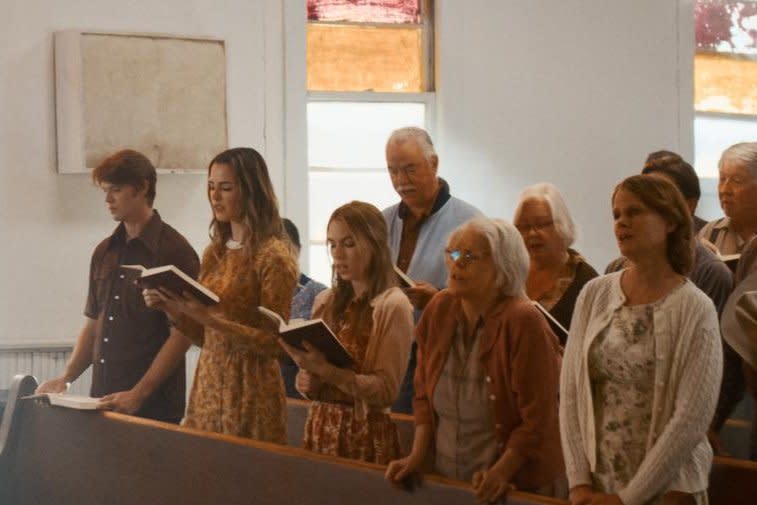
(411, 225)
(129, 334)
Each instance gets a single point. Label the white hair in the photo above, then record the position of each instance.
(745, 153)
(549, 193)
(508, 252)
(418, 135)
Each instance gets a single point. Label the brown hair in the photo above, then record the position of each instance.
(665, 199)
(129, 168)
(368, 227)
(682, 173)
(260, 208)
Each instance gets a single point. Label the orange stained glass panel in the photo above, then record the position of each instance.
(364, 58)
(725, 83)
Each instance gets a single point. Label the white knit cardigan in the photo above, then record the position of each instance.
(687, 378)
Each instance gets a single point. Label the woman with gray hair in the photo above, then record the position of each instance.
(737, 191)
(486, 384)
(556, 273)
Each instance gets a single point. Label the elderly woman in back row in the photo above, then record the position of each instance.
(556, 272)
(486, 383)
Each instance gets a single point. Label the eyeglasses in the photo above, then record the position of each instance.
(537, 227)
(461, 257)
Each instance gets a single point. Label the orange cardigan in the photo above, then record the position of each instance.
(520, 354)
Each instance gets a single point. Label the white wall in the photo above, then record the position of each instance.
(572, 92)
(575, 92)
(50, 223)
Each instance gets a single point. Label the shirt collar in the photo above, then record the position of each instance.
(441, 198)
(149, 236)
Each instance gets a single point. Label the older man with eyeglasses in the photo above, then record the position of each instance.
(419, 224)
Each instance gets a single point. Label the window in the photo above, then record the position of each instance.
(725, 79)
(369, 72)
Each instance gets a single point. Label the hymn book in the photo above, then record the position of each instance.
(730, 260)
(405, 281)
(314, 331)
(71, 401)
(554, 324)
(175, 281)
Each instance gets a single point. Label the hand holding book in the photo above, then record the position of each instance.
(175, 305)
(172, 279)
(303, 338)
(310, 359)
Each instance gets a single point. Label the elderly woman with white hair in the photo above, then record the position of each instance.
(737, 191)
(556, 273)
(486, 384)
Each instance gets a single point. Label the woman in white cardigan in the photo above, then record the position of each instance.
(643, 363)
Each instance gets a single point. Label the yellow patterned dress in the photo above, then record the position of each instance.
(238, 388)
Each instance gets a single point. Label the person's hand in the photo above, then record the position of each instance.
(490, 485)
(154, 299)
(59, 385)
(581, 495)
(605, 499)
(421, 294)
(185, 303)
(307, 383)
(310, 360)
(125, 402)
(400, 469)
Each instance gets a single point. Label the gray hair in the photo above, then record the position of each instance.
(418, 135)
(508, 252)
(745, 152)
(564, 224)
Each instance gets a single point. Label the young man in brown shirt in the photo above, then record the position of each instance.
(137, 358)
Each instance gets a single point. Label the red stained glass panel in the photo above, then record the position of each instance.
(726, 26)
(365, 11)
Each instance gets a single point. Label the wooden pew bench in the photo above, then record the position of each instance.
(57, 456)
(732, 481)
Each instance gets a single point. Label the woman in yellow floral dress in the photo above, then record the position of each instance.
(374, 321)
(237, 388)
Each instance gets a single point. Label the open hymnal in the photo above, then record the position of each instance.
(405, 281)
(72, 401)
(554, 324)
(316, 332)
(174, 280)
(731, 260)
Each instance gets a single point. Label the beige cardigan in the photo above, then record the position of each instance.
(688, 369)
(385, 358)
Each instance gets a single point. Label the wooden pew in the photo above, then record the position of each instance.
(51, 455)
(732, 481)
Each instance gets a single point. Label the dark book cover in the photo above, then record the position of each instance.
(554, 324)
(174, 280)
(316, 332)
(320, 336)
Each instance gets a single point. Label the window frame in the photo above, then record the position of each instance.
(427, 98)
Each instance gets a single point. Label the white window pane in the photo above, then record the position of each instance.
(320, 265)
(329, 190)
(353, 134)
(712, 135)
